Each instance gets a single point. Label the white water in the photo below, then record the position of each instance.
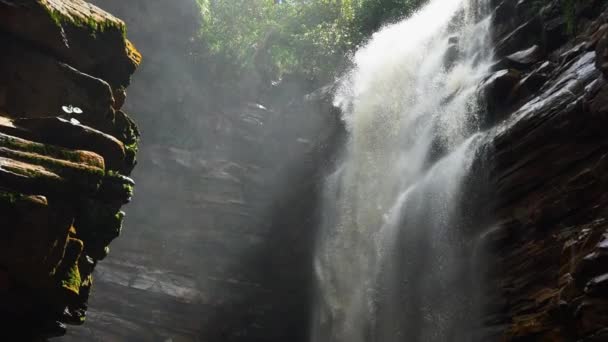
(391, 261)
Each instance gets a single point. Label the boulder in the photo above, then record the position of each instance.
(496, 91)
(598, 286)
(26, 73)
(527, 34)
(595, 36)
(556, 32)
(526, 57)
(527, 86)
(503, 17)
(78, 33)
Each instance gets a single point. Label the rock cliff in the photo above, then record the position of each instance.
(227, 255)
(218, 238)
(66, 150)
(237, 268)
(546, 164)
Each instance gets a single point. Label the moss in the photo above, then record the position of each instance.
(72, 280)
(116, 188)
(119, 217)
(37, 148)
(68, 272)
(53, 172)
(30, 173)
(51, 163)
(128, 189)
(92, 24)
(8, 197)
(132, 148)
(131, 152)
(112, 173)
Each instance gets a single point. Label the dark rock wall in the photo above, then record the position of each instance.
(547, 164)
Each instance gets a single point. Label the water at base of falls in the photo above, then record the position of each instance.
(392, 260)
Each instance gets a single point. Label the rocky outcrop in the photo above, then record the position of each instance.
(217, 245)
(547, 165)
(66, 150)
(237, 269)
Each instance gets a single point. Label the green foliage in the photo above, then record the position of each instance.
(372, 14)
(569, 10)
(7, 197)
(269, 38)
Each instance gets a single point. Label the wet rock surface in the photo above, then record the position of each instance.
(65, 154)
(547, 161)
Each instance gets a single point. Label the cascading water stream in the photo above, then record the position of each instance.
(391, 261)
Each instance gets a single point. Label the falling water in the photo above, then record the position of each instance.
(392, 262)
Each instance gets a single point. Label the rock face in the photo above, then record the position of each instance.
(66, 150)
(227, 256)
(547, 168)
(217, 245)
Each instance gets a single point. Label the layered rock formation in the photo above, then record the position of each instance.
(547, 166)
(218, 239)
(66, 149)
(228, 257)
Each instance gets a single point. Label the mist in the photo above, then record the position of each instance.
(216, 245)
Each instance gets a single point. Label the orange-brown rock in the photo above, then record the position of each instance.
(71, 134)
(27, 73)
(65, 153)
(75, 32)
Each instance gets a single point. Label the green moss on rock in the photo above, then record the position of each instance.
(71, 282)
(42, 149)
(10, 198)
(92, 24)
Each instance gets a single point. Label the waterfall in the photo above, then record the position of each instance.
(392, 261)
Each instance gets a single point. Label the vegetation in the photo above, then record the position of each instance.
(569, 10)
(9, 197)
(271, 38)
(94, 25)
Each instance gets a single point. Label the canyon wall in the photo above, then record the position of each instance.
(218, 243)
(547, 164)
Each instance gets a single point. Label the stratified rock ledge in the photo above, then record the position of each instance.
(66, 150)
(547, 161)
